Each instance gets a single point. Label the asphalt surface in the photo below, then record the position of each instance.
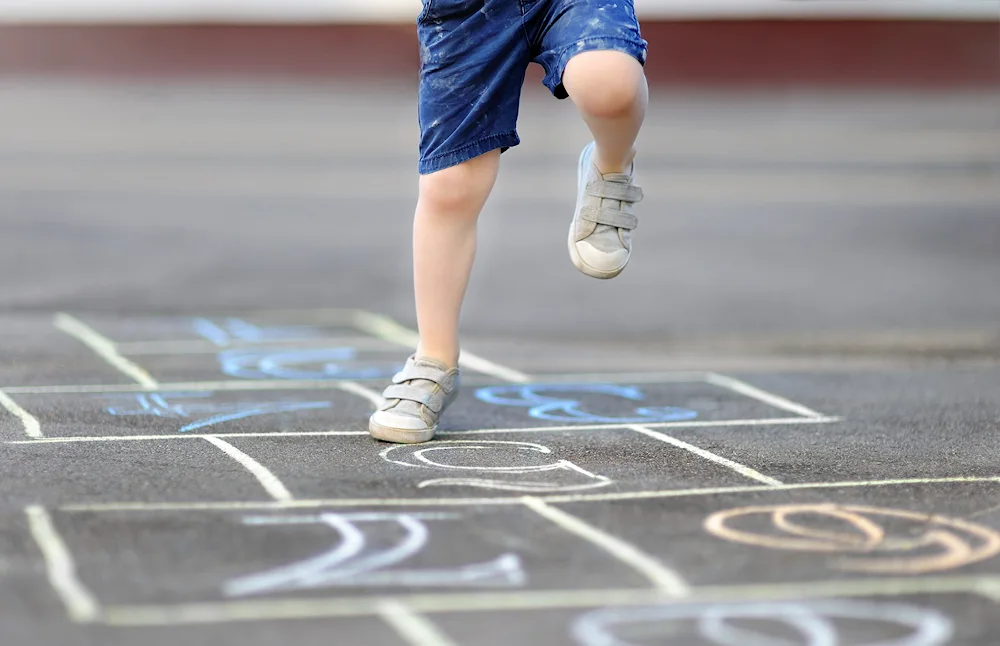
(777, 427)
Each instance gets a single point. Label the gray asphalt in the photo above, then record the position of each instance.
(777, 427)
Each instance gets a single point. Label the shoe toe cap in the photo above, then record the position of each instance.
(602, 260)
(399, 421)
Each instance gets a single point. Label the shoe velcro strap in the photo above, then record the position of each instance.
(432, 400)
(615, 191)
(411, 371)
(610, 217)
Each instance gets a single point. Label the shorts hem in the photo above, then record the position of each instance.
(636, 49)
(469, 151)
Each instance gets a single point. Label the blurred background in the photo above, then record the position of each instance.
(822, 178)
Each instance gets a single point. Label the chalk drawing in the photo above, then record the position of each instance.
(354, 562)
(233, 330)
(815, 623)
(284, 363)
(922, 542)
(563, 409)
(515, 459)
(193, 404)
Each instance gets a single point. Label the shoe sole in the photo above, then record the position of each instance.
(398, 435)
(574, 255)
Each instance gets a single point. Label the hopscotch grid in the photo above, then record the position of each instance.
(383, 328)
(386, 328)
(485, 431)
(538, 600)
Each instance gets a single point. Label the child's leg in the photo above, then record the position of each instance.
(609, 88)
(473, 59)
(593, 53)
(444, 245)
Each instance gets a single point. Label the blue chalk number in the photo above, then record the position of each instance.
(562, 408)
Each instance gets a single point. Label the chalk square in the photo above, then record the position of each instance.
(813, 534)
(171, 557)
(485, 466)
(562, 403)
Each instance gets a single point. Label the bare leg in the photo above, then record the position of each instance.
(444, 246)
(610, 91)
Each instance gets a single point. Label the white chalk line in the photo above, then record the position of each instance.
(103, 347)
(60, 569)
(753, 392)
(484, 431)
(304, 503)
(663, 578)
(306, 384)
(741, 469)
(272, 485)
(207, 347)
(183, 436)
(412, 627)
(374, 398)
(229, 385)
(31, 426)
(383, 327)
(536, 600)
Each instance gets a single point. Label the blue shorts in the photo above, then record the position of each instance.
(473, 59)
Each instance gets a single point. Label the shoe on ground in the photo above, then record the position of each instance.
(419, 393)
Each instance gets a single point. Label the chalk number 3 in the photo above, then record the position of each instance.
(554, 402)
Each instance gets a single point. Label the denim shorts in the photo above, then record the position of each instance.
(473, 59)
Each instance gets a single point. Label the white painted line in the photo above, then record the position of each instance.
(207, 347)
(31, 426)
(760, 395)
(741, 469)
(268, 480)
(485, 431)
(103, 347)
(60, 568)
(486, 367)
(229, 385)
(83, 439)
(663, 578)
(721, 423)
(412, 627)
(508, 500)
(355, 388)
(385, 328)
(520, 600)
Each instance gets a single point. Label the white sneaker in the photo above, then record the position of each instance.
(414, 402)
(600, 235)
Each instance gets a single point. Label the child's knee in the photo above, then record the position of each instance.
(605, 84)
(461, 189)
